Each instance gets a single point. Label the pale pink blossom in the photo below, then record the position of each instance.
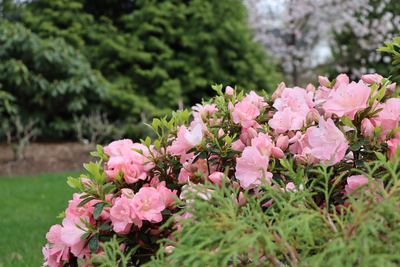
(245, 113)
(263, 143)
(348, 99)
(71, 236)
(247, 134)
(204, 112)
(59, 250)
(73, 211)
(133, 168)
(327, 142)
(341, 79)
(185, 141)
(238, 145)
(123, 216)
(297, 99)
(389, 116)
(393, 145)
(356, 181)
(285, 121)
(218, 177)
(167, 196)
(115, 150)
(299, 142)
(252, 168)
(256, 100)
(147, 204)
(50, 258)
(282, 142)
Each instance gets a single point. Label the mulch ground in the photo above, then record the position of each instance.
(43, 157)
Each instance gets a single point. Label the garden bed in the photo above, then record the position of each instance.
(44, 157)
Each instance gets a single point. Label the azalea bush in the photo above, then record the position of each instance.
(306, 177)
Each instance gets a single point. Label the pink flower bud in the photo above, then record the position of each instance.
(229, 90)
(371, 78)
(155, 181)
(367, 129)
(247, 134)
(278, 92)
(291, 134)
(282, 142)
(310, 88)
(323, 81)
(87, 183)
(230, 106)
(300, 159)
(327, 115)
(390, 89)
(168, 249)
(277, 152)
(312, 116)
(242, 199)
(128, 193)
(218, 177)
(341, 78)
(235, 184)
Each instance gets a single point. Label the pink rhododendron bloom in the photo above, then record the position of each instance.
(263, 143)
(341, 79)
(185, 141)
(393, 145)
(244, 113)
(122, 215)
(296, 99)
(286, 121)
(71, 236)
(238, 145)
(73, 211)
(133, 168)
(389, 116)
(167, 196)
(148, 205)
(50, 258)
(299, 142)
(204, 112)
(59, 250)
(372, 78)
(327, 141)
(256, 100)
(356, 181)
(251, 167)
(348, 99)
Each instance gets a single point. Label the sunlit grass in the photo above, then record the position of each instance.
(29, 206)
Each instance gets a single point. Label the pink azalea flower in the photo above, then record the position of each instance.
(393, 145)
(167, 196)
(299, 142)
(59, 250)
(71, 236)
(147, 204)
(50, 258)
(245, 113)
(256, 100)
(356, 181)
(133, 168)
(122, 216)
(297, 99)
(73, 211)
(286, 121)
(263, 143)
(251, 167)
(327, 141)
(348, 99)
(185, 141)
(204, 112)
(115, 150)
(389, 116)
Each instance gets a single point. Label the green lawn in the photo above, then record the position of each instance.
(29, 206)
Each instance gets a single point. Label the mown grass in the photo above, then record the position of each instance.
(29, 206)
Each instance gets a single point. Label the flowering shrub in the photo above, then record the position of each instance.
(279, 181)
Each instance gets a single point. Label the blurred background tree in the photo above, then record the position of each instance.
(155, 53)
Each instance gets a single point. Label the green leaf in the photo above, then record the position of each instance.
(83, 202)
(94, 243)
(98, 209)
(355, 146)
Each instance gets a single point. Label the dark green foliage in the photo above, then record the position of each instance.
(159, 51)
(50, 79)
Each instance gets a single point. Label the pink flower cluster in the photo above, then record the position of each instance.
(331, 124)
